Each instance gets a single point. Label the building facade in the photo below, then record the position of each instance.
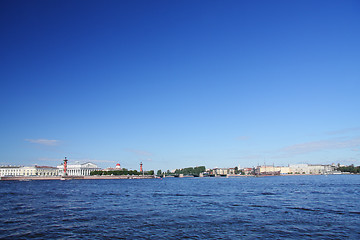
(116, 168)
(46, 171)
(312, 169)
(83, 169)
(8, 170)
(220, 171)
(247, 171)
(28, 171)
(272, 170)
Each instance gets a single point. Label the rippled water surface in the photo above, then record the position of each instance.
(296, 207)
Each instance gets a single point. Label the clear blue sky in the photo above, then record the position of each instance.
(180, 83)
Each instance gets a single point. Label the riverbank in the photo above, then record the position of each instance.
(100, 177)
(35, 178)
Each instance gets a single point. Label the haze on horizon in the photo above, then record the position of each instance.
(180, 83)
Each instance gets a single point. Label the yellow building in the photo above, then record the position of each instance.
(46, 171)
(272, 170)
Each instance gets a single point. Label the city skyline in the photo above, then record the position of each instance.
(175, 84)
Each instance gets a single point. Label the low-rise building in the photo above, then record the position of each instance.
(272, 170)
(9, 170)
(220, 171)
(116, 168)
(28, 171)
(312, 169)
(248, 171)
(46, 171)
(78, 169)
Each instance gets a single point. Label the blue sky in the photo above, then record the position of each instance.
(180, 83)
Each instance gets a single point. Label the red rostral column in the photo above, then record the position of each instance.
(141, 170)
(65, 167)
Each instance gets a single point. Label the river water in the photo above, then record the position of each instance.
(293, 207)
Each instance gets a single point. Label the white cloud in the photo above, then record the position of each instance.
(350, 161)
(91, 160)
(343, 131)
(308, 147)
(46, 142)
(72, 161)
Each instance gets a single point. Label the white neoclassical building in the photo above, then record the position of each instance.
(9, 170)
(78, 169)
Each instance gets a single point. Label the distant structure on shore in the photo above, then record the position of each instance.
(312, 169)
(10, 170)
(116, 168)
(83, 169)
(277, 170)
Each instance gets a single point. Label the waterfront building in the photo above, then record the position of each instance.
(220, 171)
(28, 171)
(9, 170)
(116, 168)
(272, 170)
(46, 171)
(78, 169)
(231, 170)
(248, 171)
(299, 168)
(312, 169)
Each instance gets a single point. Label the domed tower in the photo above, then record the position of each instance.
(118, 166)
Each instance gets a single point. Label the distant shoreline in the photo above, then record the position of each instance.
(35, 178)
(97, 177)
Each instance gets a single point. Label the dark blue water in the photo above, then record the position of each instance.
(295, 207)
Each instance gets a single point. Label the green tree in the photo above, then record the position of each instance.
(151, 172)
(351, 169)
(191, 171)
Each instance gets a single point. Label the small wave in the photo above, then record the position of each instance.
(26, 212)
(331, 211)
(268, 193)
(304, 209)
(181, 195)
(77, 209)
(263, 206)
(317, 192)
(352, 212)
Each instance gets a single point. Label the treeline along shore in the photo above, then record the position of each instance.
(51, 173)
(121, 172)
